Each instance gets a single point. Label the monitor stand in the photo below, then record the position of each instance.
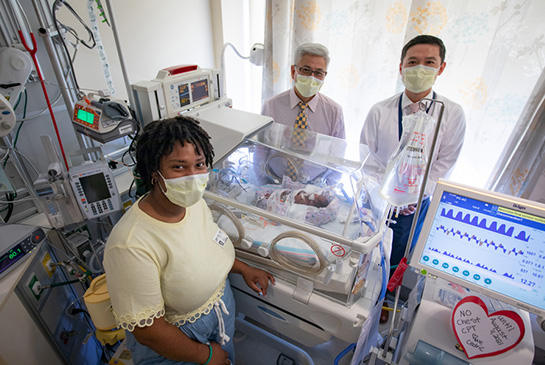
(432, 325)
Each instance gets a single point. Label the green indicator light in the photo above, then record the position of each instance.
(423, 271)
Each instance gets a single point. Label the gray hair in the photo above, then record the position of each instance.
(313, 49)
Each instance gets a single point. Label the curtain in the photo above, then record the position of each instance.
(495, 54)
(521, 165)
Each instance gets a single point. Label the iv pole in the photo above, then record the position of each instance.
(422, 106)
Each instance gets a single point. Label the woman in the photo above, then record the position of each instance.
(167, 262)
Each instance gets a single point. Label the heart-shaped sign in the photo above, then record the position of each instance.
(481, 334)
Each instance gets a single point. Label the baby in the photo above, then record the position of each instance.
(309, 203)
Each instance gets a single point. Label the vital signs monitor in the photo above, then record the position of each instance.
(486, 241)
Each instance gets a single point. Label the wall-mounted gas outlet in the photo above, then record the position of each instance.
(47, 262)
(35, 287)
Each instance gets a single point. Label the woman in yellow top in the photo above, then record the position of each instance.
(167, 262)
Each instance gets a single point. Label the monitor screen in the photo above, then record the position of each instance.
(85, 116)
(199, 90)
(183, 90)
(486, 241)
(95, 187)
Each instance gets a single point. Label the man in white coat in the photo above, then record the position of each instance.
(422, 60)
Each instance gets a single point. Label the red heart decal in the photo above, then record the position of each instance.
(484, 335)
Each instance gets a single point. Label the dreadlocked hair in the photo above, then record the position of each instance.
(158, 139)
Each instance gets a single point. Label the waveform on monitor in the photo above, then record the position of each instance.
(480, 242)
(494, 227)
(462, 259)
(482, 266)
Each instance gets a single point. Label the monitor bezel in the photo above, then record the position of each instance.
(507, 201)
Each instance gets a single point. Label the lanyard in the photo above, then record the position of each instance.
(400, 113)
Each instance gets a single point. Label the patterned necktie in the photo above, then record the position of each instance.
(298, 139)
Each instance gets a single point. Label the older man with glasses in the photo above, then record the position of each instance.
(303, 106)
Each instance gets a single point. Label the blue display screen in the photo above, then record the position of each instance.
(199, 90)
(497, 248)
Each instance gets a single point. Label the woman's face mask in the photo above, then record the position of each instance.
(186, 190)
(419, 78)
(307, 86)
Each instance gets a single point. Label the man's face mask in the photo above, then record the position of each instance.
(186, 190)
(307, 86)
(419, 78)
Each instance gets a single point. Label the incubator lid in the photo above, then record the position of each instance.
(300, 204)
(295, 175)
(334, 153)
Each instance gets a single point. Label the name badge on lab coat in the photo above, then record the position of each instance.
(220, 238)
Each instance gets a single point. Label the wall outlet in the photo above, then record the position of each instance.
(35, 287)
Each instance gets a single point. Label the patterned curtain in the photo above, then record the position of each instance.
(495, 54)
(520, 169)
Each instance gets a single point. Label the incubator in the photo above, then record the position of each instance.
(308, 214)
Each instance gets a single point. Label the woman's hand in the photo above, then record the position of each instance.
(170, 342)
(219, 355)
(256, 279)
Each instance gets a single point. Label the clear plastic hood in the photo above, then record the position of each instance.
(298, 204)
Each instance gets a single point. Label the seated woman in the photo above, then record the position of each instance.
(301, 202)
(167, 262)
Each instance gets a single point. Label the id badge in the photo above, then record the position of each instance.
(220, 238)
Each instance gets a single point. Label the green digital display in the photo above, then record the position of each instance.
(86, 116)
(10, 257)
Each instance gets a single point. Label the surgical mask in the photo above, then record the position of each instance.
(307, 85)
(419, 78)
(186, 190)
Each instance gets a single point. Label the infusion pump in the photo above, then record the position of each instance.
(95, 190)
(84, 192)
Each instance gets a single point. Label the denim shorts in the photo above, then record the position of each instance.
(203, 330)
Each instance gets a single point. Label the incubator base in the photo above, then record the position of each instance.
(312, 320)
(255, 345)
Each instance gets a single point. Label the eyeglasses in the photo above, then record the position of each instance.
(305, 71)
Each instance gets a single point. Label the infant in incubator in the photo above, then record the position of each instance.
(308, 203)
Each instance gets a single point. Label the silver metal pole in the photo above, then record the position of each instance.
(426, 173)
(68, 99)
(120, 53)
(415, 219)
(68, 93)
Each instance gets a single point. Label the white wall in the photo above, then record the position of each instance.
(243, 79)
(153, 35)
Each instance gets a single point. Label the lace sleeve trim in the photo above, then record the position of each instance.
(146, 317)
(143, 319)
(191, 317)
